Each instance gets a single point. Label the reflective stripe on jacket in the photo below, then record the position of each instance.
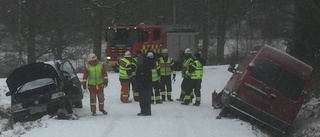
(185, 66)
(197, 74)
(165, 67)
(154, 71)
(95, 74)
(123, 68)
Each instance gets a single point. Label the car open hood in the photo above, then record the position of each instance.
(29, 73)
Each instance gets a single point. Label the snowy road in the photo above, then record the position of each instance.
(170, 119)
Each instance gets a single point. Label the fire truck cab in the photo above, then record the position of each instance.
(122, 38)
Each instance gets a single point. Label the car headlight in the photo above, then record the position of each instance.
(108, 58)
(16, 107)
(57, 95)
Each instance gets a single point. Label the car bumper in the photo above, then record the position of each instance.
(239, 105)
(41, 109)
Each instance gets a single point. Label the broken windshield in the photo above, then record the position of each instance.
(35, 84)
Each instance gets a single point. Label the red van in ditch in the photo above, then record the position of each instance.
(268, 86)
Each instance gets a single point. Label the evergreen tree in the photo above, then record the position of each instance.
(304, 43)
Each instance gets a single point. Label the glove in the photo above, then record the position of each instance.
(84, 86)
(105, 81)
(174, 76)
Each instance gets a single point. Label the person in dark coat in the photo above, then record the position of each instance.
(144, 80)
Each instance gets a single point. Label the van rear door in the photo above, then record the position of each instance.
(264, 75)
(288, 90)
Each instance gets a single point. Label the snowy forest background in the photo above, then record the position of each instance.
(36, 30)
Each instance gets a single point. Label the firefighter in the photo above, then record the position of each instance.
(155, 96)
(125, 72)
(166, 70)
(186, 78)
(196, 72)
(133, 77)
(96, 77)
(144, 80)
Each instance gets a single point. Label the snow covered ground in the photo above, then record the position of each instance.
(170, 119)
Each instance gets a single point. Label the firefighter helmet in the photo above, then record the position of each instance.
(164, 51)
(127, 54)
(150, 55)
(92, 56)
(187, 51)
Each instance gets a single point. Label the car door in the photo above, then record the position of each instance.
(68, 67)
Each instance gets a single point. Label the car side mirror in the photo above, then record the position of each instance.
(8, 94)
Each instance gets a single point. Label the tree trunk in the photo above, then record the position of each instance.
(31, 41)
(97, 36)
(222, 27)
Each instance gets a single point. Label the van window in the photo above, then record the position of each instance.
(290, 85)
(266, 72)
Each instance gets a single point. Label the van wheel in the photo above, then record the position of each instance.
(78, 104)
(217, 102)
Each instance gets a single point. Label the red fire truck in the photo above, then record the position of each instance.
(144, 37)
(122, 38)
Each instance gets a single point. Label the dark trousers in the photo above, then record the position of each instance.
(145, 99)
(134, 85)
(197, 87)
(166, 87)
(188, 87)
(145, 108)
(156, 91)
(183, 88)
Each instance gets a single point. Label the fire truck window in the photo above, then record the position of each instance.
(156, 34)
(143, 36)
(266, 71)
(290, 85)
(122, 37)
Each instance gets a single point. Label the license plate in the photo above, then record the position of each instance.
(38, 109)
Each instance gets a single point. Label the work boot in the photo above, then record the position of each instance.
(196, 104)
(104, 112)
(185, 103)
(144, 114)
(158, 102)
(152, 101)
(94, 113)
(169, 98)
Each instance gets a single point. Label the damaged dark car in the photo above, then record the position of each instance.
(42, 88)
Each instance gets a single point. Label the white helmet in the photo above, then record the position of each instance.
(150, 55)
(164, 51)
(127, 54)
(92, 56)
(187, 51)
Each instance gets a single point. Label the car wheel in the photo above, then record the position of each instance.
(78, 104)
